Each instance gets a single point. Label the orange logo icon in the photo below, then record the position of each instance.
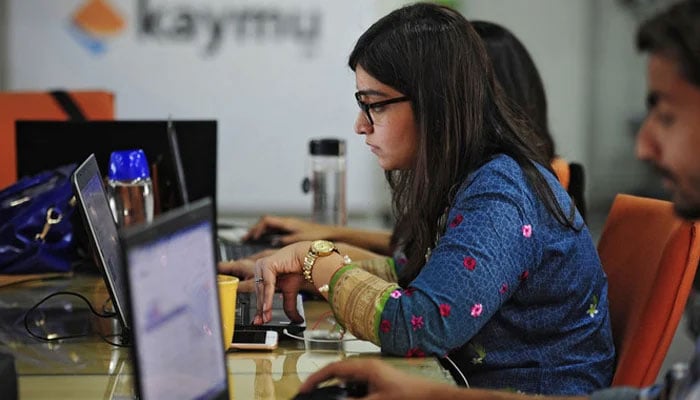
(94, 22)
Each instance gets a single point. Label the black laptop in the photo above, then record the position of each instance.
(92, 197)
(170, 267)
(103, 235)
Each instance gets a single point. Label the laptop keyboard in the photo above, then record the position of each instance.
(229, 250)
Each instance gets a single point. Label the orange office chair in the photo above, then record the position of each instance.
(572, 178)
(650, 257)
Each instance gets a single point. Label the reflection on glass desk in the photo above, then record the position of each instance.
(90, 368)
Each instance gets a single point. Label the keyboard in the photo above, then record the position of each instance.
(230, 250)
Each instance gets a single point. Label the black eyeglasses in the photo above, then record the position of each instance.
(366, 107)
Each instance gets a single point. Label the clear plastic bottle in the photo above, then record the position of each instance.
(129, 188)
(327, 181)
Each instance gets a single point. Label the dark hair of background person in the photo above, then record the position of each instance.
(518, 77)
(675, 33)
(462, 120)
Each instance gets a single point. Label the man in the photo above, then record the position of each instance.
(669, 139)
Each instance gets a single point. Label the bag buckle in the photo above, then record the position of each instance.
(52, 218)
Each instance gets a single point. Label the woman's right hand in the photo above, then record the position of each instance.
(293, 229)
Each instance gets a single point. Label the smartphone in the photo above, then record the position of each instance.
(254, 340)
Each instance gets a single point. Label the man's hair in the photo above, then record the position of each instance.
(675, 33)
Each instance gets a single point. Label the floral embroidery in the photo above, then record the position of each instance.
(527, 230)
(593, 307)
(417, 322)
(477, 309)
(456, 221)
(524, 275)
(396, 294)
(415, 352)
(385, 326)
(480, 354)
(409, 291)
(504, 288)
(445, 310)
(469, 263)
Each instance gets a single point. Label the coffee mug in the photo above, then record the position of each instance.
(228, 285)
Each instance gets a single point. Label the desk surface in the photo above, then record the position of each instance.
(90, 368)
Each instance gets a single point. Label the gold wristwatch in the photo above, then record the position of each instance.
(319, 248)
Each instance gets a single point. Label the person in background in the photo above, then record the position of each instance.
(495, 270)
(520, 82)
(669, 139)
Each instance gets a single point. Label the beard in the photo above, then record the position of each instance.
(686, 203)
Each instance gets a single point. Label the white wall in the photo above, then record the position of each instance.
(3, 43)
(270, 101)
(271, 92)
(557, 35)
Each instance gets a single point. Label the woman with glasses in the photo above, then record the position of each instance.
(495, 271)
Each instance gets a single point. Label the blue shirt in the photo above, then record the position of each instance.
(513, 297)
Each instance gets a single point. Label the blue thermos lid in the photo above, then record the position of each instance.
(128, 165)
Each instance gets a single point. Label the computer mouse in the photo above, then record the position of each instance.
(336, 392)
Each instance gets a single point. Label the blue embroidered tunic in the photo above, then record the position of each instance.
(514, 298)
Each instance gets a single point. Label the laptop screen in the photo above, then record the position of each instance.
(174, 303)
(102, 231)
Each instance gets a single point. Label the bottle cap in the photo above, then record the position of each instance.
(128, 165)
(327, 147)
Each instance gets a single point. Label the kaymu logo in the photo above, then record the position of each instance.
(185, 23)
(95, 22)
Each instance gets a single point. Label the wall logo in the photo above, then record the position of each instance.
(94, 23)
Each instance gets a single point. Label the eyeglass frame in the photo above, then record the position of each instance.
(369, 106)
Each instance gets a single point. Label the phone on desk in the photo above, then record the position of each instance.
(254, 340)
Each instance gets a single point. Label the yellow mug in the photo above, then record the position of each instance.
(228, 285)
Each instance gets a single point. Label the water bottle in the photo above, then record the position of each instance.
(327, 181)
(129, 188)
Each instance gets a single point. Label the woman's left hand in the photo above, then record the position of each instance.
(282, 270)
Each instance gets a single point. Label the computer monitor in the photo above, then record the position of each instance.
(43, 145)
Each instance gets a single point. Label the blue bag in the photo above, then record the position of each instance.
(36, 224)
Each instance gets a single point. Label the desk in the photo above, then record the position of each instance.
(89, 368)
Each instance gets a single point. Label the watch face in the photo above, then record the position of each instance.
(322, 246)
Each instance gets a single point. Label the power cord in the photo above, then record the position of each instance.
(456, 368)
(52, 338)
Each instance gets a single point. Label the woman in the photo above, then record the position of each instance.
(497, 271)
(518, 78)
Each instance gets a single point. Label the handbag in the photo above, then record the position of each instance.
(36, 224)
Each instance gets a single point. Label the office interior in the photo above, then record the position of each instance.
(270, 98)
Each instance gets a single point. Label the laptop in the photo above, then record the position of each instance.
(232, 250)
(107, 251)
(103, 236)
(170, 267)
(37, 142)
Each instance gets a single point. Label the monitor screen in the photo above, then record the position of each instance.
(43, 145)
(175, 308)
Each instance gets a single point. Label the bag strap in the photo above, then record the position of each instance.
(69, 106)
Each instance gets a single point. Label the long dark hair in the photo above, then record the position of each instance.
(518, 76)
(431, 54)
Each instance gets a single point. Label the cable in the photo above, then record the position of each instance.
(464, 378)
(55, 338)
(318, 340)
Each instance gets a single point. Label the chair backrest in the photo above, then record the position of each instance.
(650, 257)
(571, 177)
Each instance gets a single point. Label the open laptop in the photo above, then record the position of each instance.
(103, 236)
(232, 250)
(170, 268)
(102, 231)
